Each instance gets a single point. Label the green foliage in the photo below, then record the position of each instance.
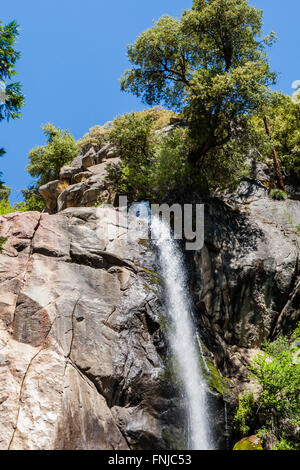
(278, 195)
(47, 160)
(132, 135)
(296, 334)
(284, 119)
(95, 138)
(5, 206)
(296, 94)
(155, 166)
(243, 418)
(279, 378)
(3, 240)
(276, 407)
(5, 192)
(33, 201)
(284, 444)
(11, 97)
(170, 171)
(209, 63)
(252, 443)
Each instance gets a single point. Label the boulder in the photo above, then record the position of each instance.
(249, 443)
(51, 192)
(81, 349)
(68, 172)
(259, 171)
(71, 196)
(82, 183)
(89, 159)
(107, 151)
(81, 177)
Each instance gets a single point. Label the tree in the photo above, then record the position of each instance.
(11, 97)
(47, 160)
(284, 122)
(209, 64)
(275, 156)
(133, 137)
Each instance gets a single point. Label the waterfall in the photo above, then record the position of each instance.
(183, 335)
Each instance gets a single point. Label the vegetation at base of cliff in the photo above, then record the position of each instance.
(276, 407)
(216, 383)
(278, 195)
(244, 416)
(33, 201)
(284, 444)
(250, 443)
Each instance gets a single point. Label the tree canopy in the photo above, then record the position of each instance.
(47, 160)
(284, 117)
(11, 97)
(209, 64)
(275, 407)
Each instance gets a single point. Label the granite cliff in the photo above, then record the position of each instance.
(83, 354)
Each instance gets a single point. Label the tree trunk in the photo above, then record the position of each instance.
(275, 158)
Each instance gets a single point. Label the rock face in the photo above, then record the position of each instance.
(82, 349)
(246, 278)
(80, 342)
(81, 183)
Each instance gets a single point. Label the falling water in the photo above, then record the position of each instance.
(182, 335)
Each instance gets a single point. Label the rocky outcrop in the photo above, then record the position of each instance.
(82, 183)
(82, 349)
(246, 278)
(80, 341)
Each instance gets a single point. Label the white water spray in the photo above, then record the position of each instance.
(182, 335)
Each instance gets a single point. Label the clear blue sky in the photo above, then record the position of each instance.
(73, 52)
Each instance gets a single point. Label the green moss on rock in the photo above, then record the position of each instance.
(175, 440)
(249, 443)
(217, 384)
(144, 243)
(3, 240)
(153, 277)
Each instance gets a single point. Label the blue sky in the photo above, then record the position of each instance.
(73, 52)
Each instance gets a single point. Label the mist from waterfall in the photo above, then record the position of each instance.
(182, 335)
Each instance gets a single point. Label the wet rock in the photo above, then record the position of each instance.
(249, 443)
(80, 342)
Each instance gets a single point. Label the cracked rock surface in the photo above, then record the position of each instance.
(80, 344)
(247, 278)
